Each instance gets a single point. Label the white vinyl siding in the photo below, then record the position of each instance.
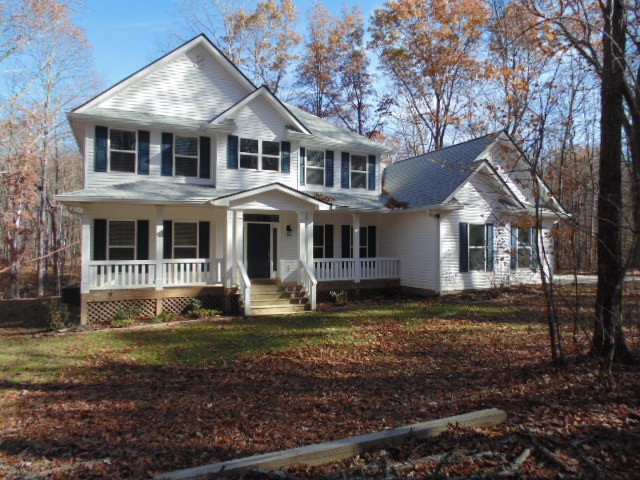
(193, 86)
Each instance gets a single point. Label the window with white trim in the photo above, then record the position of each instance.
(358, 172)
(259, 155)
(121, 240)
(185, 154)
(476, 247)
(315, 167)
(270, 156)
(524, 255)
(122, 150)
(185, 240)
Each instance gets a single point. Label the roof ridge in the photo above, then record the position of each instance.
(415, 157)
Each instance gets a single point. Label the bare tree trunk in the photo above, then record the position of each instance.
(609, 341)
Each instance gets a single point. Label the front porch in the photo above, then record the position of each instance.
(285, 238)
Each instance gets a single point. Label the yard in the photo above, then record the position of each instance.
(133, 403)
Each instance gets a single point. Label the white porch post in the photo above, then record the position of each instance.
(356, 246)
(302, 236)
(85, 282)
(309, 227)
(160, 233)
(238, 236)
(228, 250)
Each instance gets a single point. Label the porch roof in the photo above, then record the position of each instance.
(148, 192)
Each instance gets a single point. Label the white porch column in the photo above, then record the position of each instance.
(356, 246)
(85, 282)
(160, 233)
(302, 237)
(238, 238)
(309, 227)
(228, 250)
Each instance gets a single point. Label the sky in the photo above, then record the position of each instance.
(126, 35)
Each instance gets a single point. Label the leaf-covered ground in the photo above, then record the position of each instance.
(134, 403)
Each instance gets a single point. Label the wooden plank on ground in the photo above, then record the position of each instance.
(322, 453)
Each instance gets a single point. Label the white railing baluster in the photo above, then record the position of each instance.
(333, 269)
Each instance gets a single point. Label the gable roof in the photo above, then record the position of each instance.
(263, 92)
(430, 179)
(200, 39)
(333, 134)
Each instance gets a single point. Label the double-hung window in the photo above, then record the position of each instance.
(122, 240)
(476, 247)
(368, 241)
(122, 150)
(358, 171)
(249, 153)
(259, 155)
(523, 253)
(186, 156)
(270, 155)
(185, 240)
(315, 167)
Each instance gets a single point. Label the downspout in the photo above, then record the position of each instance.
(438, 282)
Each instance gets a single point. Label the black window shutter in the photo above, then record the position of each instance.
(328, 241)
(285, 149)
(167, 154)
(328, 168)
(464, 247)
(203, 239)
(303, 153)
(371, 245)
(514, 248)
(143, 152)
(372, 172)
(232, 151)
(99, 239)
(344, 169)
(490, 243)
(205, 157)
(142, 240)
(346, 241)
(167, 239)
(100, 160)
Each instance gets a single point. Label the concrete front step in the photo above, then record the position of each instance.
(277, 309)
(278, 301)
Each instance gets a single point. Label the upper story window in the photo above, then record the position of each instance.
(186, 156)
(252, 154)
(315, 167)
(249, 153)
(270, 155)
(122, 150)
(476, 247)
(358, 171)
(523, 252)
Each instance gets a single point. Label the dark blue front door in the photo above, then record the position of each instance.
(258, 248)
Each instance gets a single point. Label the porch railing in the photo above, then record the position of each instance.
(245, 287)
(309, 283)
(111, 275)
(200, 271)
(334, 269)
(105, 275)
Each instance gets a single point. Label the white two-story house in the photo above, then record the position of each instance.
(198, 184)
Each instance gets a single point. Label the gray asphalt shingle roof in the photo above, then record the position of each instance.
(427, 180)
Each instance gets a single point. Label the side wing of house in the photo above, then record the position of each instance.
(491, 241)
